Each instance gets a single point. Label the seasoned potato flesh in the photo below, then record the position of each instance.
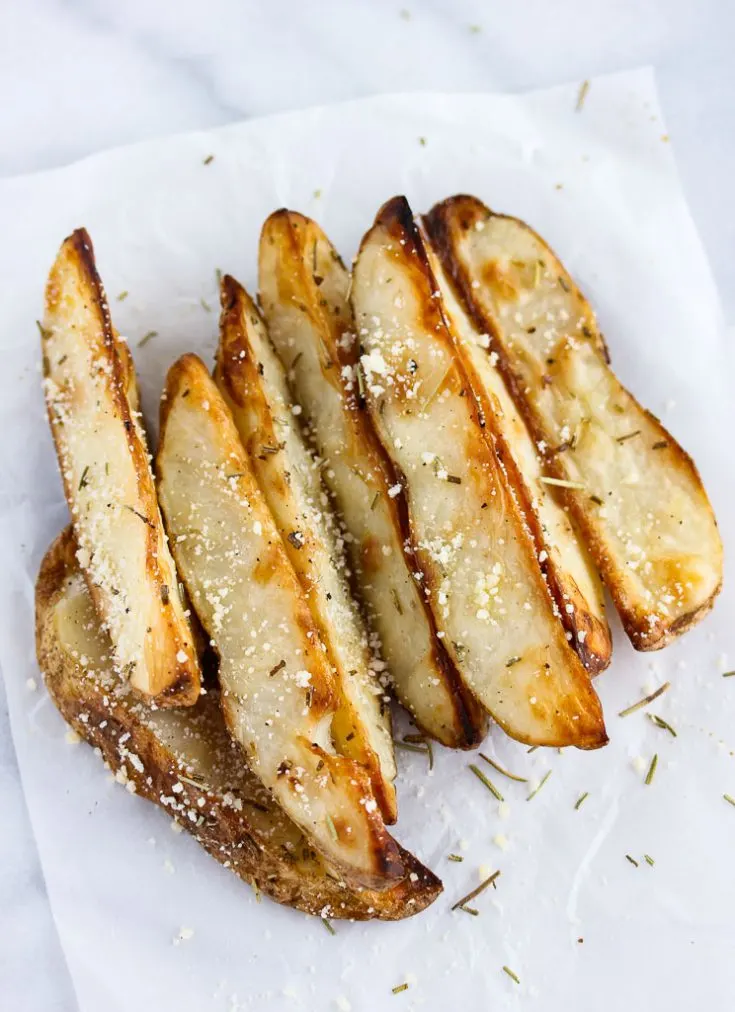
(478, 562)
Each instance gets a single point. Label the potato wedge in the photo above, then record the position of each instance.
(183, 760)
(108, 482)
(631, 489)
(476, 556)
(303, 291)
(573, 580)
(278, 694)
(253, 384)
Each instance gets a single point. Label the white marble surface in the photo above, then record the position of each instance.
(82, 75)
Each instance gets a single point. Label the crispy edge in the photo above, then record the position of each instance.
(77, 249)
(225, 833)
(238, 377)
(461, 211)
(396, 219)
(594, 645)
(470, 721)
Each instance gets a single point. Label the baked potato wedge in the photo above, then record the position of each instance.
(573, 580)
(279, 696)
(475, 554)
(304, 295)
(252, 381)
(122, 548)
(183, 760)
(630, 488)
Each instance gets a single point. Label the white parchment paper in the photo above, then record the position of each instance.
(580, 925)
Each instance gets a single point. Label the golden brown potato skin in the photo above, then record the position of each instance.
(636, 495)
(239, 824)
(91, 395)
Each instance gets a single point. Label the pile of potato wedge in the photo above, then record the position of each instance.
(406, 482)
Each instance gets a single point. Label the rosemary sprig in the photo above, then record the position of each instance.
(645, 701)
(632, 860)
(455, 857)
(663, 724)
(729, 800)
(398, 988)
(728, 674)
(651, 770)
(487, 782)
(147, 337)
(581, 800)
(328, 926)
(503, 770)
(649, 860)
(535, 791)
(461, 904)
(511, 974)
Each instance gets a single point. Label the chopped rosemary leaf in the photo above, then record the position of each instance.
(596, 499)
(460, 904)
(208, 160)
(218, 276)
(274, 671)
(535, 791)
(627, 436)
(422, 142)
(396, 601)
(531, 749)
(561, 482)
(648, 859)
(503, 770)
(730, 801)
(582, 95)
(411, 748)
(631, 859)
(453, 479)
(331, 827)
(42, 330)
(398, 988)
(663, 724)
(513, 660)
(581, 800)
(645, 701)
(660, 445)
(123, 296)
(83, 479)
(147, 337)
(328, 926)
(205, 305)
(374, 503)
(470, 910)
(138, 515)
(651, 770)
(487, 782)
(430, 750)
(511, 974)
(455, 857)
(728, 674)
